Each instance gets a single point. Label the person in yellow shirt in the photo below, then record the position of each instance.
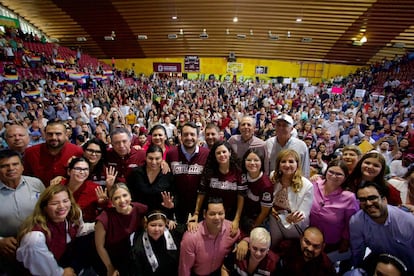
(131, 118)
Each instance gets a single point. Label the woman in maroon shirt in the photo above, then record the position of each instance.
(114, 227)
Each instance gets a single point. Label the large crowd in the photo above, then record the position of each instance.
(127, 174)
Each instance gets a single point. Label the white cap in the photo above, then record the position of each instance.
(286, 118)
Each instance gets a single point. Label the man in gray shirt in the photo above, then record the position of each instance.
(284, 140)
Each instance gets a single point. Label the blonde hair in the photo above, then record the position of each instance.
(39, 216)
(296, 182)
(260, 235)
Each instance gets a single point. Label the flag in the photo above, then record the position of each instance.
(59, 60)
(11, 77)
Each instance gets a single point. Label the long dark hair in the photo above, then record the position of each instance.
(98, 170)
(212, 166)
(355, 178)
(259, 154)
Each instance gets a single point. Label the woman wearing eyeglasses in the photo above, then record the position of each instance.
(88, 194)
(94, 151)
(333, 207)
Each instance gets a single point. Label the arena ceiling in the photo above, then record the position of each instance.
(330, 31)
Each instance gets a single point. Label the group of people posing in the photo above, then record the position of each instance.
(238, 207)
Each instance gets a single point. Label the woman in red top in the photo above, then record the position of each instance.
(88, 194)
(158, 136)
(371, 167)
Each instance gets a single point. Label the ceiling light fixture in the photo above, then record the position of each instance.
(363, 39)
(235, 19)
(174, 17)
(288, 34)
(298, 19)
(181, 31)
(227, 31)
(251, 32)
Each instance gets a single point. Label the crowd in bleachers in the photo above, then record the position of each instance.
(301, 180)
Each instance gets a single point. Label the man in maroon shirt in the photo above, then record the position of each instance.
(50, 159)
(121, 156)
(305, 257)
(187, 163)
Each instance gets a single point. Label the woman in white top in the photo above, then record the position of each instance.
(293, 196)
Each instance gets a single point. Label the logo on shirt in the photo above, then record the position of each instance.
(180, 168)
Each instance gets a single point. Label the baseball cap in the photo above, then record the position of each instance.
(284, 117)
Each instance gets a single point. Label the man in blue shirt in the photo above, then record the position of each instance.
(381, 227)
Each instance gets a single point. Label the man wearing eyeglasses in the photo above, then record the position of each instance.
(305, 256)
(380, 227)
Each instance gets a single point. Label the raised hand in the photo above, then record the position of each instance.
(167, 200)
(111, 174)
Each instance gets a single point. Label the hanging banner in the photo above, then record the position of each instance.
(162, 67)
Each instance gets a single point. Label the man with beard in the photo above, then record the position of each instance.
(381, 227)
(211, 135)
(50, 159)
(305, 256)
(187, 163)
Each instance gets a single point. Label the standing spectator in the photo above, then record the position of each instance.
(187, 162)
(150, 186)
(17, 137)
(18, 196)
(259, 196)
(222, 177)
(333, 207)
(170, 128)
(293, 198)
(49, 159)
(121, 156)
(246, 140)
(331, 125)
(351, 155)
(391, 225)
(203, 252)
(284, 140)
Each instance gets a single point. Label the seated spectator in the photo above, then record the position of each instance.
(156, 250)
(47, 240)
(392, 227)
(305, 256)
(203, 252)
(260, 260)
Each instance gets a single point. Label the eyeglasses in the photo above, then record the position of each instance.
(91, 151)
(373, 198)
(79, 169)
(336, 174)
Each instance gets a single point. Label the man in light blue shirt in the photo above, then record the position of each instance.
(18, 196)
(380, 227)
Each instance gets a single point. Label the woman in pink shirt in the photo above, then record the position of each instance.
(333, 206)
